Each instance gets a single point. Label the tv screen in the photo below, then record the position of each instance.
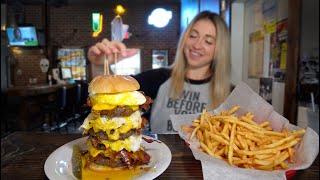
(22, 36)
(66, 73)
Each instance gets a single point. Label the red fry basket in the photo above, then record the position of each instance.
(290, 174)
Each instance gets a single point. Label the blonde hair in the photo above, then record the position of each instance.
(220, 66)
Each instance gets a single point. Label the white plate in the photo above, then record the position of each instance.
(58, 164)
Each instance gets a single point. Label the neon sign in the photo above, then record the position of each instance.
(97, 20)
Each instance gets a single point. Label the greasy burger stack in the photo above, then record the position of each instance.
(114, 124)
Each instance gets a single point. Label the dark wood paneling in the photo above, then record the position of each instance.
(294, 23)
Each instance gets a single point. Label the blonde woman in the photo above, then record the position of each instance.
(198, 78)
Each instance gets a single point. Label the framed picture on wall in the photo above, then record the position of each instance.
(265, 88)
(159, 58)
(256, 48)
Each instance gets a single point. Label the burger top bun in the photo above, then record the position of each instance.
(113, 84)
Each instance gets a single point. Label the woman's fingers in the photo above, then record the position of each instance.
(126, 54)
(107, 46)
(94, 51)
(119, 48)
(131, 52)
(105, 41)
(103, 48)
(110, 49)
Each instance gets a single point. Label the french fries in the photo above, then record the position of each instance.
(243, 142)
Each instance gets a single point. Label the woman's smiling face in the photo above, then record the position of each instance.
(199, 47)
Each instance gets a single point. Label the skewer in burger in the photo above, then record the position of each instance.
(114, 124)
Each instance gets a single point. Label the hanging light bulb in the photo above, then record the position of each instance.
(119, 10)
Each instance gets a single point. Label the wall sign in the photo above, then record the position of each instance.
(97, 20)
(159, 17)
(159, 58)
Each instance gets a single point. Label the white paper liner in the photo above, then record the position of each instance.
(249, 101)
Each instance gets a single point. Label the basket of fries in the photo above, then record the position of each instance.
(244, 138)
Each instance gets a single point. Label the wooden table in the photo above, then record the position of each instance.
(33, 97)
(23, 155)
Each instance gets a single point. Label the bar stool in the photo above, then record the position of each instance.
(75, 101)
(62, 106)
(5, 113)
(71, 111)
(81, 108)
(58, 111)
(76, 109)
(51, 110)
(78, 101)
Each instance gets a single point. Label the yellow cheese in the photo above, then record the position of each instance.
(119, 99)
(99, 107)
(114, 136)
(113, 127)
(127, 127)
(93, 151)
(103, 124)
(130, 144)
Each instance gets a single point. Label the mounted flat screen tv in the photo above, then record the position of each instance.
(22, 36)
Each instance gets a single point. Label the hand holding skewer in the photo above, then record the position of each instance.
(108, 52)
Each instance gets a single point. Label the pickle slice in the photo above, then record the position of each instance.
(76, 162)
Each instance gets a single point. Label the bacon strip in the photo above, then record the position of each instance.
(125, 157)
(146, 105)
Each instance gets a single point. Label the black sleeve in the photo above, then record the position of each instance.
(151, 80)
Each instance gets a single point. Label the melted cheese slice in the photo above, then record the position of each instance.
(119, 99)
(131, 144)
(99, 107)
(113, 127)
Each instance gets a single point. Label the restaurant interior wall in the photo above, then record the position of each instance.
(24, 63)
(25, 66)
(69, 25)
(3, 49)
(309, 52)
(252, 12)
(4, 82)
(308, 112)
(190, 8)
(310, 28)
(237, 21)
(309, 49)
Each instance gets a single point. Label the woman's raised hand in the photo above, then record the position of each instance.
(110, 50)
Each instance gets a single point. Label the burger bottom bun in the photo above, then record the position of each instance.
(101, 168)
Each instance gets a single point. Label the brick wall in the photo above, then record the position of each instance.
(71, 26)
(33, 15)
(25, 62)
(25, 65)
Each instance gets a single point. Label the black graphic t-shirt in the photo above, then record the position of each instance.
(156, 83)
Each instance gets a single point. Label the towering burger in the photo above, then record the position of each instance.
(114, 124)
